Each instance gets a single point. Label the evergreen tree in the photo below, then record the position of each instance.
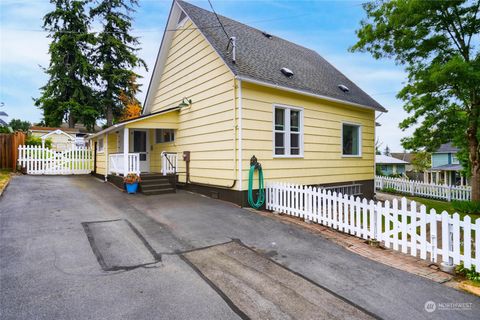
(115, 56)
(386, 151)
(68, 94)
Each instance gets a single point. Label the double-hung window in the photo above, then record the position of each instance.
(288, 131)
(351, 140)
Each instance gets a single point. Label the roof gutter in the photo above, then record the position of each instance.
(305, 93)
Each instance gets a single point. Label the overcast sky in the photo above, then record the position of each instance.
(325, 26)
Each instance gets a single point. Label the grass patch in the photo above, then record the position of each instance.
(4, 177)
(440, 206)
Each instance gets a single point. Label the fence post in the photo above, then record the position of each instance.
(449, 193)
(381, 183)
(447, 243)
(412, 191)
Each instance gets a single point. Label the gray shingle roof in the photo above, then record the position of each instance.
(447, 148)
(260, 58)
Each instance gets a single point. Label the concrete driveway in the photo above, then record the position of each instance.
(77, 248)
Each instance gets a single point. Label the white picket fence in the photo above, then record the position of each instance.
(427, 190)
(38, 160)
(169, 162)
(409, 229)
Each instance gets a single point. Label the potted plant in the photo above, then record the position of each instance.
(131, 182)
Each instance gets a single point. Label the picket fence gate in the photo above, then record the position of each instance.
(409, 229)
(41, 160)
(427, 190)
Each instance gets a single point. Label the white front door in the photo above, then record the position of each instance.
(140, 145)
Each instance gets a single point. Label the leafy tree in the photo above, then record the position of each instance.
(37, 141)
(421, 161)
(131, 106)
(19, 125)
(435, 40)
(68, 94)
(115, 53)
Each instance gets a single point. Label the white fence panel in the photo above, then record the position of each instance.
(409, 229)
(41, 160)
(427, 190)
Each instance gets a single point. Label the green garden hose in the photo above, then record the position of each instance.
(261, 191)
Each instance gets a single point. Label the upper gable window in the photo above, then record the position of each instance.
(288, 132)
(182, 19)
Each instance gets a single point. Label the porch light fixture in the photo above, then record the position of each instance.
(185, 103)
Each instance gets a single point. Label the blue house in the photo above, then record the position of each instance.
(390, 165)
(445, 166)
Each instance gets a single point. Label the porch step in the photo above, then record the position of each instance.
(152, 192)
(156, 183)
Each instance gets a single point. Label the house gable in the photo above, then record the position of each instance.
(187, 65)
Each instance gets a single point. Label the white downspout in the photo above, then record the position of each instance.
(240, 155)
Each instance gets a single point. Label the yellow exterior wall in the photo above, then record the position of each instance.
(322, 162)
(194, 70)
(101, 157)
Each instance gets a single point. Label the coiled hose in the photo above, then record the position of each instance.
(261, 191)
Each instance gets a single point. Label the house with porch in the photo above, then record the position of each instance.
(446, 168)
(214, 101)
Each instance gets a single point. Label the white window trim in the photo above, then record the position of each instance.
(287, 132)
(98, 145)
(360, 142)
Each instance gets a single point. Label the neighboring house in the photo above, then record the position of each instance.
(62, 137)
(446, 168)
(390, 165)
(225, 100)
(404, 156)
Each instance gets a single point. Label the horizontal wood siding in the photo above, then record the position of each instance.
(194, 70)
(323, 162)
(102, 156)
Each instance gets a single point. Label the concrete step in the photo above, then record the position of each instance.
(158, 191)
(156, 186)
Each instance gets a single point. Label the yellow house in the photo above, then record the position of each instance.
(218, 96)
(61, 138)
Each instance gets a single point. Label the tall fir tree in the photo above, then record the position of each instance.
(116, 54)
(68, 94)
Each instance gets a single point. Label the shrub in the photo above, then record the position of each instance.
(389, 190)
(468, 207)
(470, 274)
(37, 141)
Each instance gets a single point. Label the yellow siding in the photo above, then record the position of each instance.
(194, 70)
(323, 161)
(60, 142)
(102, 156)
(167, 120)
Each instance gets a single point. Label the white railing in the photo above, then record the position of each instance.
(41, 160)
(427, 190)
(409, 229)
(169, 163)
(117, 164)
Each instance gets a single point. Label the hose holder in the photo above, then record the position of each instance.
(254, 162)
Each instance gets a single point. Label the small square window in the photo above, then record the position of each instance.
(351, 140)
(164, 135)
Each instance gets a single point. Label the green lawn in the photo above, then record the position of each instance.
(440, 206)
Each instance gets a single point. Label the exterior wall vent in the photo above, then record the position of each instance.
(287, 72)
(343, 88)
